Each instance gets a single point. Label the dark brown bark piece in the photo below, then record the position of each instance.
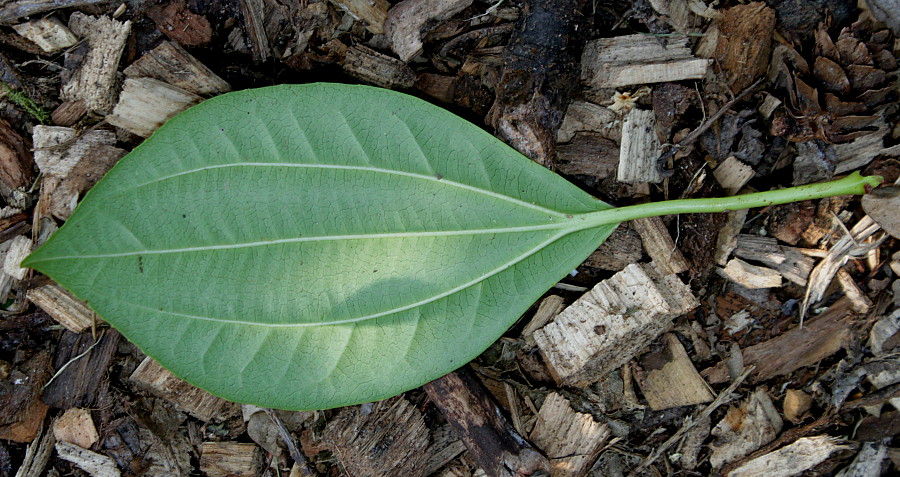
(745, 37)
(540, 70)
(14, 10)
(491, 440)
(21, 411)
(16, 162)
(80, 383)
(178, 23)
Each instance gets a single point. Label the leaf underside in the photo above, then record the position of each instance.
(314, 246)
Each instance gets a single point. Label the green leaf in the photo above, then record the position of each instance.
(315, 246)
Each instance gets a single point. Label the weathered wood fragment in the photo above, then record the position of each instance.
(859, 302)
(791, 262)
(59, 149)
(376, 68)
(745, 428)
(145, 104)
(407, 21)
(63, 307)
(227, 459)
(16, 165)
(253, 15)
(97, 465)
(83, 381)
(372, 12)
(733, 174)
(868, 461)
(37, 455)
(750, 276)
(547, 310)
(21, 410)
(152, 377)
(570, 439)
(170, 63)
(445, 446)
(744, 43)
(659, 245)
(19, 248)
(621, 249)
(819, 338)
(93, 81)
(881, 205)
(175, 20)
(884, 336)
(389, 437)
(639, 148)
(726, 242)
(48, 33)
(582, 117)
(77, 427)
(479, 423)
(68, 113)
(678, 14)
(793, 459)
(860, 152)
(796, 404)
(768, 105)
(669, 378)
(612, 323)
(639, 59)
(588, 154)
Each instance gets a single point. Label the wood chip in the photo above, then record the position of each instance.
(750, 276)
(94, 80)
(383, 438)
(37, 455)
(19, 248)
(16, 165)
(175, 20)
(198, 403)
(793, 459)
(670, 378)
(83, 365)
(373, 67)
(727, 242)
(254, 17)
(407, 21)
(63, 307)
(48, 33)
(796, 404)
(145, 104)
(622, 248)
(59, 149)
(612, 323)
(588, 154)
(68, 113)
(745, 428)
(582, 116)
(660, 246)
(230, 459)
(744, 43)
(76, 426)
(884, 334)
(639, 59)
(733, 174)
(639, 148)
(547, 310)
(170, 63)
(860, 303)
(819, 338)
(792, 263)
(372, 12)
(570, 439)
(21, 410)
(96, 465)
(882, 204)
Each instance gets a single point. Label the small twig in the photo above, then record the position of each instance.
(723, 398)
(288, 439)
(695, 134)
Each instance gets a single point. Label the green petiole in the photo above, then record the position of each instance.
(853, 184)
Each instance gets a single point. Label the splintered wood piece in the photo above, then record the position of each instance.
(726, 242)
(588, 154)
(492, 442)
(230, 459)
(75, 426)
(733, 174)
(790, 262)
(744, 43)
(570, 439)
(639, 59)
(882, 204)
(677, 13)
(63, 307)
(408, 20)
(859, 301)
(373, 67)
(94, 79)
(19, 248)
(21, 410)
(620, 250)
(59, 149)
(16, 164)
(160, 382)
(68, 113)
(750, 276)
(796, 403)
(145, 104)
(372, 12)
(884, 334)
(97, 465)
(819, 338)
(82, 382)
(744, 429)
(48, 33)
(860, 152)
(670, 378)
(387, 438)
(768, 105)
(660, 246)
(37, 455)
(793, 459)
(253, 13)
(445, 446)
(170, 63)
(639, 149)
(547, 310)
(612, 323)
(582, 116)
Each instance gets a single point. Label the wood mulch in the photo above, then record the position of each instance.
(705, 370)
